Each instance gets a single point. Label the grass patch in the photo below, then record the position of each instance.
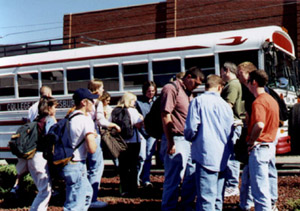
(293, 204)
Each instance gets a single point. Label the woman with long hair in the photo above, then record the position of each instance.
(128, 160)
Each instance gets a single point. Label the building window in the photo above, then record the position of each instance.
(109, 75)
(54, 80)
(77, 78)
(28, 85)
(163, 71)
(7, 88)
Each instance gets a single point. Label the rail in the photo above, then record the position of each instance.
(48, 45)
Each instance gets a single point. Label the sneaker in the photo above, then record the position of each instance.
(148, 185)
(14, 190)
(274, 207)
(124, 194)
(98, 204)
(231, 192)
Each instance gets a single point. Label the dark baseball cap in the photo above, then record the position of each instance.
(83, 93)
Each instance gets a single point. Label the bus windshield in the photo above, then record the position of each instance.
(282, 74)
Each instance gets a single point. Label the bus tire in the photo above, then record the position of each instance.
(294, 128)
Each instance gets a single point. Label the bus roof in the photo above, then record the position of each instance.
(226, 41)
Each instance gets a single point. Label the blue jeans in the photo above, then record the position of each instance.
(259, 162)
(233, 167)
(78, 189)
(177, 167)
(95, 167)
(246, 199)
(142, 157)
(210, 188)
(149, 149)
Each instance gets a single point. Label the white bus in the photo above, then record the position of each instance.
(125, 66)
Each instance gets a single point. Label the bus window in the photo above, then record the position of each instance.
(280, 71)
(109, 75)
(54, 80)
(163, 71)
(7, 86)
(135, 75)
(28, 85)
(77, 78)
(206, 64)
(239, 57)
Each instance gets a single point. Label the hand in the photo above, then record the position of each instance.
(171, 149)
(117, 128)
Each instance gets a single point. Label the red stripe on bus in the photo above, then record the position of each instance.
(106, 56)
(5, 149)
(17, 122)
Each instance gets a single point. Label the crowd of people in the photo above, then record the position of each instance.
(196, 148)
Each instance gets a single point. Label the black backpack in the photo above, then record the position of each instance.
(24, 142)
(57, 145)
(121, 117)
(283, 111)
(153, 122)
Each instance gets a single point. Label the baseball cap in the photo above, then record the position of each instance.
(83, 93)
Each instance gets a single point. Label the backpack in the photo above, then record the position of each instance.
(24, 142)
(283, 111)
(57, 149)
(121, 117)
(153, 122)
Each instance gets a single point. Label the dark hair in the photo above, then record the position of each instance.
(195, 72)
(213, 81)
(146, 86)
(44, 104)
(260, 76)
(104, 96)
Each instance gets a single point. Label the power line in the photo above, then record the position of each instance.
(29, 31)
(30, 25)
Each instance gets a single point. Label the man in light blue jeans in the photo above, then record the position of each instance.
(209, 126)
(82, 134)
(232, 94)
(176, 150)
(262, 132)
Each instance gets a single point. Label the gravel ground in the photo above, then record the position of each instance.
(150, 199)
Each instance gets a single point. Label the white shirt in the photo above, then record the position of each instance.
(80, 126)
(33, 111)
(97, 114)
(135, 117)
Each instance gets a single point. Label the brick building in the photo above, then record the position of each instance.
(182, 17)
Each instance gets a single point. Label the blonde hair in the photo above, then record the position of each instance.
(247, 67)
(94, 85)
(126, 100)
